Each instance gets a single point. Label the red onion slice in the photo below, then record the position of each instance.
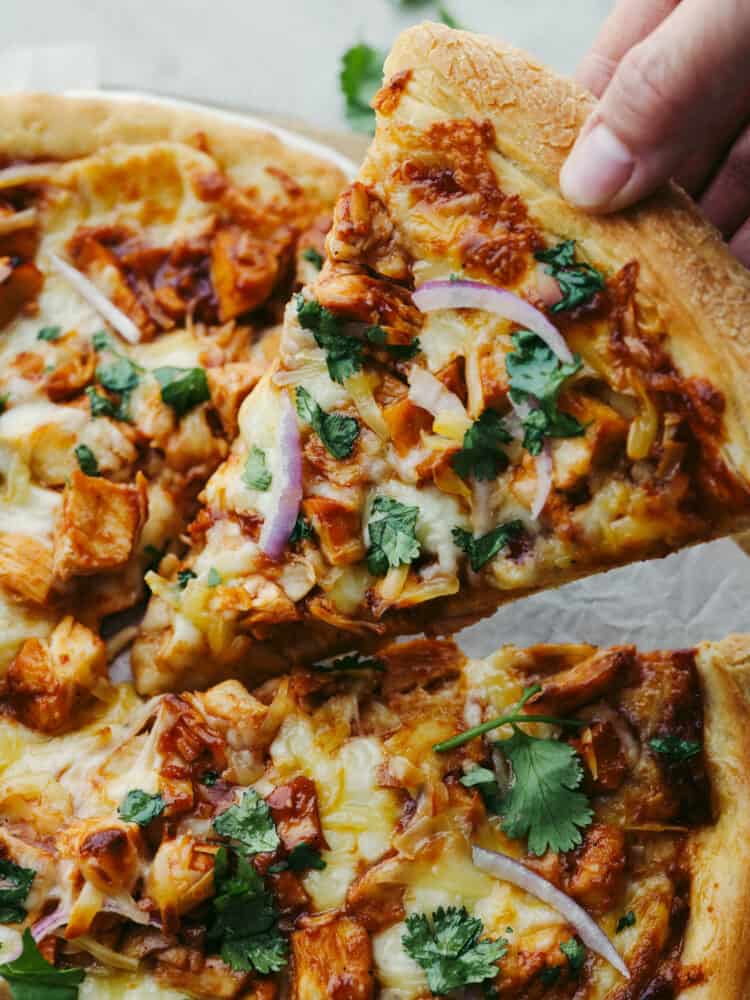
(58, 918)
(98, 302)
(543, 462)
(433, 295)
(547, 286)
(507, 869)
(429, 393)
(287, 484)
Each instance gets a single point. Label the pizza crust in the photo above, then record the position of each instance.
(718, 933)
(42, 126)
(700, 290)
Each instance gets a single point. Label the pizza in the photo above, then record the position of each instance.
(483, 392)
(545, 823)
(146, 254)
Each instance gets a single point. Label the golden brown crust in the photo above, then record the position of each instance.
(702, 291)
(718, 934)
(44, 126)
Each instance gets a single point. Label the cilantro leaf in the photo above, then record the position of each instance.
(578, 282)
(377, 336)
(102, 406)
(250, 823)
(481, 454)
(244, 917)
(352, 661)
(15, 883)
(313, 257)
(154, 557)
(480, 550)
(301, 857)
(302, 529)
(214, 577)
(575, 953)
(338, 433)
(256, 474)
(393, 540)
(536, 376)
(4, 398)
(102, 341)
(182, 388)
(49, 333)
(31, 977)
(140, 807)
(343, 353)
(360, 78)
(87, 462)
(626, 920)
(120, 375)
(484, 780)
(544, 802)
(675, 750)
(184, 577)
(209, 778)
(449, 949)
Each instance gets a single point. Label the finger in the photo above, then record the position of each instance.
(726, 203)
(666, 92)
(699, 169)
(629, 22)
(740, 244)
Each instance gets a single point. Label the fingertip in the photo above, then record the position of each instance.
(597, 170)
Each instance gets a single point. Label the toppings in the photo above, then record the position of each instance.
(86, 459)
(674, 749)
(140, 807)
(578, 283)
(508, 870)
(626, 920)
(338, 433)
(249, 823)
(302, 529)
(30, 977)
(214, 577)
(430, 394)
(301, 858)
(575, 953)
(343, 354)
(15, 883)
(392, 531)
(184, 577)
(536, 377)
(480, 550)
(377, 336)
(98, 302)
(312, 256)
(49, 333)
(255, 473)
(481, 455)
(463, 294)
(280, 526)
(243, 924)
(182, 388)
(448, 948)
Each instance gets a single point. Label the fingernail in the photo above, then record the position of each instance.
(597, 169)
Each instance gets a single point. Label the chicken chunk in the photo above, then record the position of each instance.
(332, 959)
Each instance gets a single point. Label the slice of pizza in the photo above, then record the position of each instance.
(146, 254)
(551, 822)
(483, 393)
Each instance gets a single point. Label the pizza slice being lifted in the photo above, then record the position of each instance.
(484, 392)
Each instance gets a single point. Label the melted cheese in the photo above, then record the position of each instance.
(125, 986)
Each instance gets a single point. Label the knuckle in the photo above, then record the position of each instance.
(645, 83)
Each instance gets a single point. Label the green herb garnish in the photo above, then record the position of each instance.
(140, 807)
(302, 529)
(626, 920)
(214, 577)
(313, 256)
(480, 550)
(575, 953)
(360, 78)
(481, 454)
(675, 750)
(343, 353)
(49, 333)
(578, 282)
(15, 884)
(249, 823)
(87, 461)
(182, 388)
(184, 576)
(393, 540)
(338, 433)
(256, 474)
(31, 977)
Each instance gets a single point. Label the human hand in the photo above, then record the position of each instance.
(674, 83)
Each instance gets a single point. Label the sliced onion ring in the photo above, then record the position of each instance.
(58, 918)
(286, 486)
(433, 295)
(543, 464)
(507, 869)
(98, 302)
(429, 393)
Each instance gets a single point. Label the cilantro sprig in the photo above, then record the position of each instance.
(249, 823)
(579, 282)
(15, 885)
(302, 529)
(49, 333)
(31, 977)
(301, 858)
(674, 749)
(182, 388)
(480, 550)
(256, 474)
(338, 433)
(536, 377)
(448, 948)
(87, 460)
(140, 807)
(481, 454)
(360, 78)
(343, 353)
(393, 540)
(313, 256)
(377, 336)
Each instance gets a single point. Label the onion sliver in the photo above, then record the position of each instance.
(543, 463)
(287, 484)
(27, 173)
(429, 393)
(507, 869)
(50, 923)
(547, 286)
(435, 295)
(98, 302)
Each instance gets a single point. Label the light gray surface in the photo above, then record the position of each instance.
(268, 55)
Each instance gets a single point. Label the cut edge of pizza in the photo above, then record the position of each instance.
(483, 394)
(350, 819)
(146, 255)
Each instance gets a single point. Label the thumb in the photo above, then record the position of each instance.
(662, 102)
